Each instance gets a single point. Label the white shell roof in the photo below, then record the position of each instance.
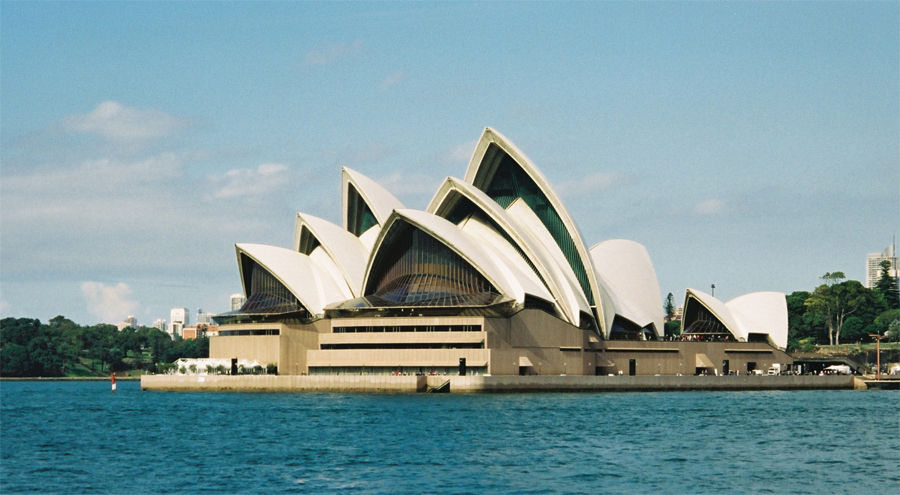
(314, 288)
(530, 223)
(627, 273)
(563, 296)
(757, 312)
(380, 201)
(490, 136)
(718, 309)
(506, 278)
(762, 312)
(344, 249)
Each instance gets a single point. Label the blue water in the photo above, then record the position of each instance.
(60, 437)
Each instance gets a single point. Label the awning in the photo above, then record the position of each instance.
(524, 361)
(703, 361)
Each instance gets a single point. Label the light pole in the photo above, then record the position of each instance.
(877, 356)
(713, 290)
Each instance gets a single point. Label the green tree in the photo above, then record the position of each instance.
(884, 321)
(669, 306)
(836, 301)
(887, 286)
(672, 328)
(799, 328)
(14, 360)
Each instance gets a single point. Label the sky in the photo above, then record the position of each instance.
(754, 146)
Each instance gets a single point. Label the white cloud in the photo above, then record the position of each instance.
(392, 80)
(115, 121)
(249, 182)
(709, 207)
(327, 53)
(109, 303)
(590, 184)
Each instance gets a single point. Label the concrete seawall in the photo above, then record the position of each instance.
(488, 384)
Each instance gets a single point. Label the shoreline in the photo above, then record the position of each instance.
(67, 379)
(491, 384)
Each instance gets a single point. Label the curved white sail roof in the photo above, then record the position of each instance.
(717, 308)
(334, 249)
(568, 300)
(758, 313)
(627, 272)
(507, 278)
(376, 200)
(488, 158)
(314, 288)
(762, 312)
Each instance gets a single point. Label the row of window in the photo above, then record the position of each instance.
(418, 345)
(233, 333)
(411, 328)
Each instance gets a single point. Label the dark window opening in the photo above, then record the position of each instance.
(359, 216)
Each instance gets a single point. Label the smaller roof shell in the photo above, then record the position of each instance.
(314, 288)
(345, 249)
(627, 273)
(380, 201)
(718, 309)
(757, 312)
(762, 312)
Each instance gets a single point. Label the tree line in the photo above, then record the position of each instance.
(60, 347)
(844, 311)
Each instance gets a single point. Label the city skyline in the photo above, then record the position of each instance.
(750, 146)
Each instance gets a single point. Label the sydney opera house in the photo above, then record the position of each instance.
(493, 277)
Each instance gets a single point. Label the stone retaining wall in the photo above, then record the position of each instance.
(475, 384)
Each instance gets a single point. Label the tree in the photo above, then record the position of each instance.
(669, 306)
(884, 323)
(672, 328)
(887, 286)
(799, 328)
(824, 302)
(836, 301)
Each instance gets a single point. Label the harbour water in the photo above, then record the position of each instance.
(78, 437)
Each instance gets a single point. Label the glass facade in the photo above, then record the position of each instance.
(415, 269)
(267, 294)
(701, 324)
(511, 182)
(359, 216)
(308, 242)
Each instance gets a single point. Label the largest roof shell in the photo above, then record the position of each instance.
(480, 173)
(568, 299)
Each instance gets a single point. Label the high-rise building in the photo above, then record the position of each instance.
(873, 265)
(160, 324)
(129, 322)
(204, 318)
(179, 317)
(237, 300)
